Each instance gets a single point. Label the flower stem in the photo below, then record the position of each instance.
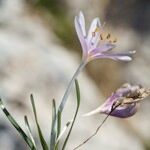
(76, 112)
(114, 106)
(90, 137)
(64, 99)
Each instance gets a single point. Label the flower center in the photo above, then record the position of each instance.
(103, 36)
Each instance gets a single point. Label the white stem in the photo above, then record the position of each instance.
(67, 92)
(64, 130)
(93, 112)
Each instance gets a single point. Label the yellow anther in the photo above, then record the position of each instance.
(115, 40)
(104, 36)
(101, 36)
(93, 34)
(108, 36)
(110, 41)
(97, 29)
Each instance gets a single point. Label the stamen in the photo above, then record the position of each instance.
(108, 36)
(101, 37)
(93, 34)
(110, 41)
(96, 30)
(115, 40)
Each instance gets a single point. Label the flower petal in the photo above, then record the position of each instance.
(123, 102)
(121, 111)
(126, 112)
(103, 48)
(78, 28)
(122, 57)
(82, 23)
(95, 23)
(105, 107)
(93, 112)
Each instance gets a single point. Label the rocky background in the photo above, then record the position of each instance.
(39, 52)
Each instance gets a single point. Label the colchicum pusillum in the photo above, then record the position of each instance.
(125, 99)
(96, 43)
(122, 103)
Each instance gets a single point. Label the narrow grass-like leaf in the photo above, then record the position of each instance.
(77, 92)
(17, 127)
(76, 112)
(58, 123)
(42, 140)
(63, 131)
(114, 106)
(29, 130)
(58, 129)
(53, 126)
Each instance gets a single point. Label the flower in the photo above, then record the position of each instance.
(94, 43)
(123, 102)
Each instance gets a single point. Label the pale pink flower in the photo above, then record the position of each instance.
(94, 43)
(124, 101)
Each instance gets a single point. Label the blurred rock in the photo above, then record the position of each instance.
(139, 73)
(133, 14)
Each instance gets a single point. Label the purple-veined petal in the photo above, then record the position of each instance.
(81, 36)
(105, 106)
(122, 57)
(95, 23)
(82, 23)
(103, 48)
(121, 111)
(124, 112)
(123, 102)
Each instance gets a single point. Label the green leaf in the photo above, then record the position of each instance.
(76, 112)
(58, 123)
(29, 130)
(62, 133)
(77, 92)
(42, 140)
(18, 128)
(53, 126)
(58, 129)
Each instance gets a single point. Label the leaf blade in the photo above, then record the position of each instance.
(41, 137)
(17, 127)
(29, 130)
(53, 126)
(76, 112)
